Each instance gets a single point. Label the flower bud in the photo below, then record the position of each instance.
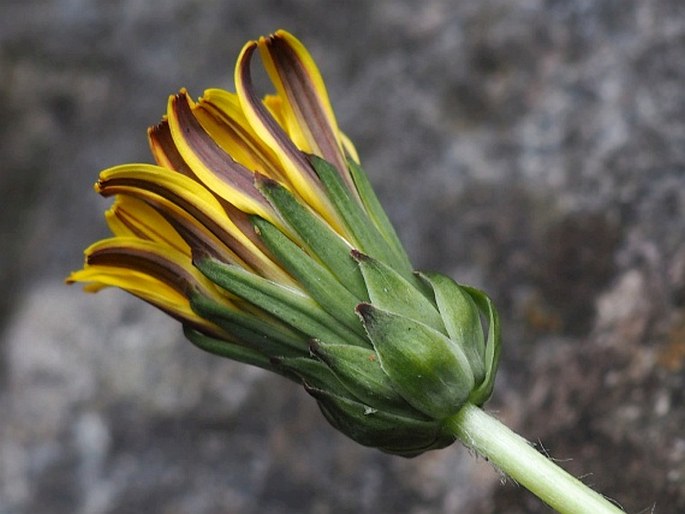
(259, 231)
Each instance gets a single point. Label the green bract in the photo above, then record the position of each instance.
(388, 354)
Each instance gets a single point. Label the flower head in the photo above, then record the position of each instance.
(258, 230)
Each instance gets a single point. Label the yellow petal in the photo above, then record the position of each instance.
(164, 150)
(219, 114)
(154, 272)
(131, 217)
(274, 104)
(194, 208)
(308, 112)
(349, 147)
(210, 163)
(144, 286)
(296, 167)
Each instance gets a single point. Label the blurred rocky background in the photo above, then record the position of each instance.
(533, 148)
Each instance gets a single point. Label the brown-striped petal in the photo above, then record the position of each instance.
(210, 163)
(192, 210)
(164, 149)
(220, 114)
(156, 273)
(299, 172)
(130, 217)
(311, 121)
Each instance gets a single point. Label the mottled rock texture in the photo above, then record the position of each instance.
(533, 148)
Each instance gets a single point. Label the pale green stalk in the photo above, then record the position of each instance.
(516, 457)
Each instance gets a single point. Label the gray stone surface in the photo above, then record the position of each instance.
(533, 148)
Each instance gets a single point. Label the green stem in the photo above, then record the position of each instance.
(517, 458)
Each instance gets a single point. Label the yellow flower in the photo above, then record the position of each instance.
(259, 231)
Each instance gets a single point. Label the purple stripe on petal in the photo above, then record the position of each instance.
(164, 149)
(286, 146)
(305, 101)
(138, 187)
(209, 153)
